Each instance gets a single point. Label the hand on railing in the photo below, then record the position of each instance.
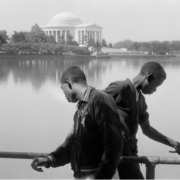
(177, 149)
(39, 161)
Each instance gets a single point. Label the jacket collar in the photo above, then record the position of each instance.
(87, 94)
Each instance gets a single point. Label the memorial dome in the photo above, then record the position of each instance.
(64, 19)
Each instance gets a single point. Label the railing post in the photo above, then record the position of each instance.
(150, 170)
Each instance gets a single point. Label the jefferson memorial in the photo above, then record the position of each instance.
(66, 23)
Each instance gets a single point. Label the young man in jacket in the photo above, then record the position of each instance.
(128, 96)
(94, 146)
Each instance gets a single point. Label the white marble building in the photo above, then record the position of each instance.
(66, 23)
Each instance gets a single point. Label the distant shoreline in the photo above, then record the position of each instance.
(135, 54)
(87, 57)
(43, 56)
(140, 55)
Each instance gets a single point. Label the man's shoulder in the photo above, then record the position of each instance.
(124, 83)
(100, 95)
(118, 86)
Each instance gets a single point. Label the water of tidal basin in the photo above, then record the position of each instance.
(36, 117)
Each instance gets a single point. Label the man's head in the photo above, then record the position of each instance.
(154, 76)
(70, 78)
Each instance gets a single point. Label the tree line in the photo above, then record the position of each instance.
(37, 42)
(155, 47)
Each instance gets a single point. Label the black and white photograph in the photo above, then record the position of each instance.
(89, 89)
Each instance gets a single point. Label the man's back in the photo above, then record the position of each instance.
(125, 96)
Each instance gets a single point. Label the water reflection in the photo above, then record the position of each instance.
(43, 117)
(37, 72)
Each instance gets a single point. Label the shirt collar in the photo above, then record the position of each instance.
(137, 93)
(87, 93)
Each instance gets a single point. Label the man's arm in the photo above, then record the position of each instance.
(60, 157)
(152, 133)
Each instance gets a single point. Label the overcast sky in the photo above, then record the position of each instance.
(137, 20)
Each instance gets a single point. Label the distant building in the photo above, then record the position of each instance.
(66, 23)
(123, 49)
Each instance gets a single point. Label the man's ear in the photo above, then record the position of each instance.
(150, 77)
(69, 84)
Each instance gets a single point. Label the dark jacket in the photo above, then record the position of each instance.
(132, 113)
(96, 141)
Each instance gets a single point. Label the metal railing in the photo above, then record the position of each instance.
(21, 155)
(150, 162)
